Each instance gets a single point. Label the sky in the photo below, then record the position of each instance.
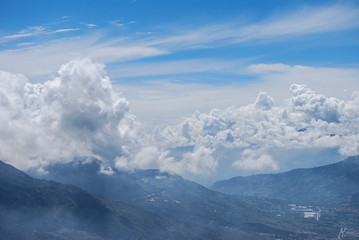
(205, 89)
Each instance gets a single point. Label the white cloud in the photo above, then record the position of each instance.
(121, 24)
(43, 60)
(301, 22)
(29, 31)
(278, 77)
(91, 25)
(144, 33)
(106, 171)
(264, 101)
(75, 114)
(151, 157)
(306, 121)
(36, 30)
(66, 30)
(198, 162)
(25, 44)
(315, 106)
(178, 67)
(153, 100)
(107, 53)
(79, 114)
(255, 160)
(117, 23)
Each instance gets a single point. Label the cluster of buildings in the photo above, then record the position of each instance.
(308, 212)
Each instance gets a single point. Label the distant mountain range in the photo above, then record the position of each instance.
(330, 184)
(149, 204)
(40, 209)
(170, 196)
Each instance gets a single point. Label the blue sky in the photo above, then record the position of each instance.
(172, 58)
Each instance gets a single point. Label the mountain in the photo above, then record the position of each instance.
(329, 184)
(171, 196)
(31, 208)
(354, 200)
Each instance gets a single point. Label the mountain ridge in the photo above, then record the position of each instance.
(333, 182)
(41, 209)
(168, 195)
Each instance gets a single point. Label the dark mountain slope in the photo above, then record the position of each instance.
(326, 184)
(39, 209)
(170, 196)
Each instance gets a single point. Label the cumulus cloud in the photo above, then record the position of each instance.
(264, 102)
(78, 114)
(255, 160)
(315, 105)
(75, 114)
(199, 161)
(146, 157)
(276, 78)
(307, 120)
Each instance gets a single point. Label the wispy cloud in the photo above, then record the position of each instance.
(178, 67)
(30, 31)
(117, 23)
(144, 33)
(18, 35)
(299, 23)
(44, 59)
(25, 44)
(121, 23)
(111, 48)
(65, 30)
(303, 22)
(91, 25)
(35, 31)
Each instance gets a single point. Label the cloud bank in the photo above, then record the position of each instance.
(307, 120)
(78, 115)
